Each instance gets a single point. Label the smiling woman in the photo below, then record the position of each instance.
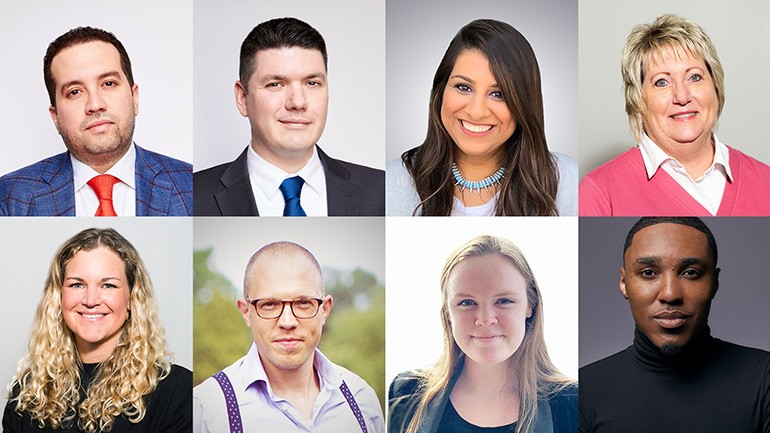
(97, 351)
(495, 371)
(674, 89)
(485, 152)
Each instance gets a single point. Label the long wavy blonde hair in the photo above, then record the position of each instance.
(47, 382)
(537, 377)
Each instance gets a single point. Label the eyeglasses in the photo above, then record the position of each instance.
(302, 308)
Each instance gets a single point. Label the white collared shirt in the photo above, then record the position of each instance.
(266, 179)
(123, 193)
(707, 189)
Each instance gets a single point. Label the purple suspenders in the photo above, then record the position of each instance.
(234, 414)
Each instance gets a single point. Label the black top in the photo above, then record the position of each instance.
(453, 422)
(405, 395)
(711, 386)
(169, 408)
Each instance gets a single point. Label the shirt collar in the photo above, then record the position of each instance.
(653, 156)
(124, 170)
(253, 371)
(268, 177)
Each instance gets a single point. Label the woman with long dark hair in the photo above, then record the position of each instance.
(485, 152)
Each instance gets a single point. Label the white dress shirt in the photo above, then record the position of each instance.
(266, 179)
(123, 193)
(708, 188)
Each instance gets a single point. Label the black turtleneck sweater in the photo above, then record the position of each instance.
(711, 386)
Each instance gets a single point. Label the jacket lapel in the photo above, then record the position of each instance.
(57, 196)
(340, 192)
(237, 198)
(153, 192)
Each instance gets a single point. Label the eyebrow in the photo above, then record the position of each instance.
(99, 78)
(655, 260)
(689, 261)
(276, 77)
(496, 295)
(101, 281)
(650, 260)
(468, 79)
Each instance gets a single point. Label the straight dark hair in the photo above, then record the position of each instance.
(531, 179)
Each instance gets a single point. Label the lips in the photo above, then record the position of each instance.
(288, 343)
(685, 115)
(486, 338)
(99, 124)
(295, 123)
(671, 319)
(475, 128)
(92, 316)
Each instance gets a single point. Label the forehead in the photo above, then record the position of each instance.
(673, 55)
(97, 260)
(671, 241)
(474, 64)
(288, 62)
(85, 60)
(487, 274)
(284, 276)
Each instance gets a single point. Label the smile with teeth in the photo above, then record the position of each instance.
(475, 128)
(92, 316)
(684, 115)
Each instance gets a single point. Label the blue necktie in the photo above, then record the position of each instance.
(290, 188)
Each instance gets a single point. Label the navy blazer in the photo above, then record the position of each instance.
(46, 188)
(556, 415)
(351, 189)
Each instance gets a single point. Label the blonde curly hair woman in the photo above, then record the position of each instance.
(97, 359)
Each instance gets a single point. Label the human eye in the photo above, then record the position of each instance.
(314, 83)
(696, 77)
(660, 82)
(692, 273)
(109, 286)
(648, 273)
(76, 285)
(273, 85)
(497, 95)
(73, 93)
(505, 301)
(466, 303)
(463, 88)
(304, 303)
(268, 304)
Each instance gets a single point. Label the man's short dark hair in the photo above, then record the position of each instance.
(693, 222)
(277, 33)
(77, 36)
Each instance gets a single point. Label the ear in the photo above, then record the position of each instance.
(327, 307)
(54, 117)
(135, 95)
(529, 312)
(623, 282)
(240, 98)
(716, 282)
(244, 307)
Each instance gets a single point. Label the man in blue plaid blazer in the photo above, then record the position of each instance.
(94, 103)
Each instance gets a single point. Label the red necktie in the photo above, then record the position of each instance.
(102, 186)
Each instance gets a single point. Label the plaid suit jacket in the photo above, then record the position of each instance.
(163, 187)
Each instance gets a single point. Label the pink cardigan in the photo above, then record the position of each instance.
(621, 188)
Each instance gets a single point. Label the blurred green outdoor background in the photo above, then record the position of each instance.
(353, 337)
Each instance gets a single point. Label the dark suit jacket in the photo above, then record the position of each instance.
(556, 415)
(351, 190)
(46, 188)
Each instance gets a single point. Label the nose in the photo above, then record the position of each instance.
(296, 99)
(486, 316)
(477, 107)
(287, 320)
(682, 95)
(95, 102)
(670, 291)
(91, 297)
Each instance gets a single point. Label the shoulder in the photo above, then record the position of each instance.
(567, 193)
(178, 383)
(406, 384)
(210, 176)
(748, 164)
(167, 163)
(35, 172)
(601, 371)
(617, 166)
(743, 356)
(402, 197)
(564, 408)
(358, 173)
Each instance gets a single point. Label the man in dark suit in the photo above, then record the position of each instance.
(94, 103)
(283, 91)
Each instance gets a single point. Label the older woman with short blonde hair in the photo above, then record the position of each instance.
(674, 91)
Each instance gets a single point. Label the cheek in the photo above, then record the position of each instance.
(449, 105)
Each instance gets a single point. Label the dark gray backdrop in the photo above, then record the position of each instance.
(739, 312)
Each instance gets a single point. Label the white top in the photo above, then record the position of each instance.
(123, 192)
(707, 189)
(402, 197)
(266, 179)
(263, 411)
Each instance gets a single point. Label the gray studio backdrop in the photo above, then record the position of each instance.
(354, 32)
(418, 34)
(158, 38)
(740, 31)
(738, 312)
(164, 244)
